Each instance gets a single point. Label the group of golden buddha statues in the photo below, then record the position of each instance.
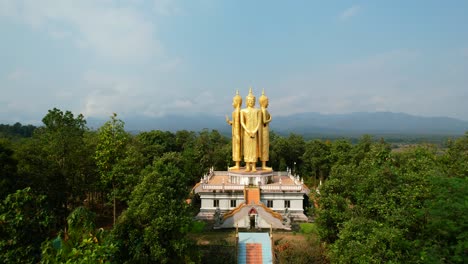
(250, 132)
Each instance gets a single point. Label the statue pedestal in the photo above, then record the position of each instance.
(259, 177)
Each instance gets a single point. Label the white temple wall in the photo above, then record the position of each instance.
(224, 204)
(295, 200)
(206, 203)
(277, 198)
(244, 222)
(297, 205)
(224, 198)
(262, 223)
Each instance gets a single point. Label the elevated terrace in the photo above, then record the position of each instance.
(236, 181)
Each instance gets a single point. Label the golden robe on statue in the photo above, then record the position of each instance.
(236, 136)
(265, 135)
(236, 131)
(250, 120)
(264, 131)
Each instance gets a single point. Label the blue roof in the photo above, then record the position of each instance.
(261, 238)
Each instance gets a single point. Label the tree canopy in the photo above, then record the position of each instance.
(154, 226)
(62, 185)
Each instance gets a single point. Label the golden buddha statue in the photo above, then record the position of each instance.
(236, 131)
(250, 120)
(264, 131)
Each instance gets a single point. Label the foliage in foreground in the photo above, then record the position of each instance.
(309, 251)
(395, 208)
(81, 243)
(24, 223)
(154, 227)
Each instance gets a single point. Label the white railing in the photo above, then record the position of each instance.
(281, 187)
(222, 187)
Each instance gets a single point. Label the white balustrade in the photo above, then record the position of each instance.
(222, 187)
(281, 188)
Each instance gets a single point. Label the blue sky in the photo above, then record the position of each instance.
(161, 57)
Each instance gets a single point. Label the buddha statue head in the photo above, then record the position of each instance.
(263, 100)
(237, 100)
(250, 98)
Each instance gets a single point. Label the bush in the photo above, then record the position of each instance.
(308, 228)
(197, 227)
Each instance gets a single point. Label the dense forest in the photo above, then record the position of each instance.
(71, 194)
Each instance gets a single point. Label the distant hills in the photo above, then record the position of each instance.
(309, 123)
(372, 123)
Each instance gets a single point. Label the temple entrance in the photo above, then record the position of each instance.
(253, 218)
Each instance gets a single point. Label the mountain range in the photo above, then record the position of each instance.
(307, 123)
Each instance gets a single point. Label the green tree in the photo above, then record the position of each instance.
(37, 171)
(55, 162)
(316, 159)
(80, 243)
(286, 152)
(17, 130)
(360, 150)
(8, 169)
(155, 143)
(154, 227)
(210, 147)
(398, 207)
(455, 159)
(109, 151)
(444, 237)
(63, 141)
(363, 240)
(184, 139)
(276, 160)
(25, 222)
(340, 152)
(127, 172)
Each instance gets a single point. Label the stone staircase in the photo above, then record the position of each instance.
(254, 248)
(252, 195)
(253, 253)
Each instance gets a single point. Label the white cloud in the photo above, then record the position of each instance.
(380, 82)
(395, 81)
(285, 103)
(16, 75)
(134, 76)
(350, 12)
(110, 30)
(106, 94)
(134, 94)
(169, 66)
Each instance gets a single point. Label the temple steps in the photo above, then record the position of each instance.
(252, 195)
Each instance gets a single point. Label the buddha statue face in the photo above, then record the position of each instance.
(237, 102)
(250, 101)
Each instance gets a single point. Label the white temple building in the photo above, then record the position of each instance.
(261, 199)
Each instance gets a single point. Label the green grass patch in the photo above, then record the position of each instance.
(197, 227)
(308, 228)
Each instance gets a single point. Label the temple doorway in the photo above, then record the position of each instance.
(253, 218)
